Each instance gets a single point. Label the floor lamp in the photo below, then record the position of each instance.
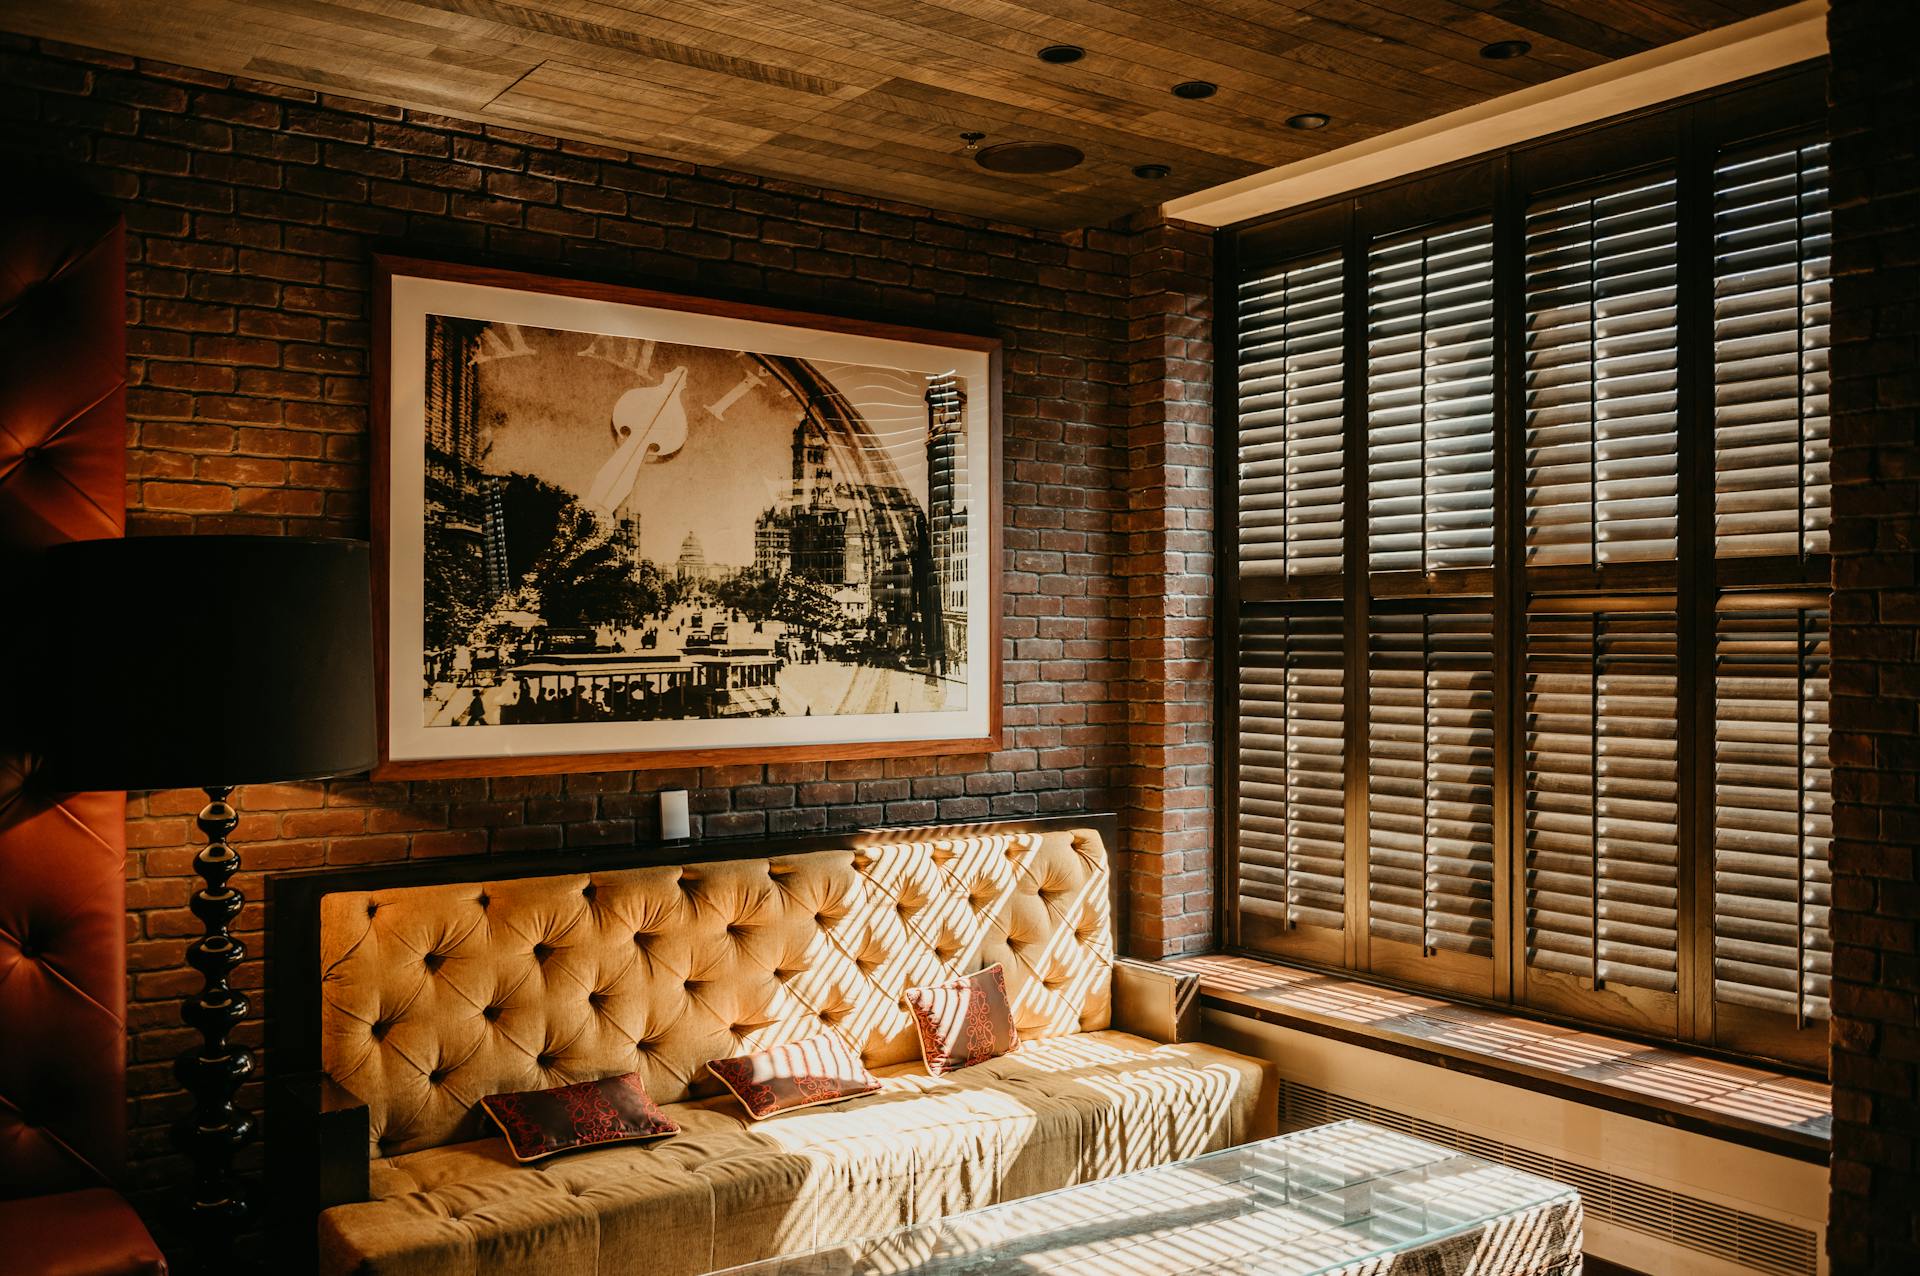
(206, 662)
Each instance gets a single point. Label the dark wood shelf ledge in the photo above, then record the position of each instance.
(1741, 1103)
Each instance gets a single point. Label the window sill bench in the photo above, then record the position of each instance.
(1775, 1112)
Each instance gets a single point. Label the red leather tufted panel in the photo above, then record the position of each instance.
(62, 885)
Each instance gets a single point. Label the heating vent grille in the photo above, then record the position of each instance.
(1750, 1240)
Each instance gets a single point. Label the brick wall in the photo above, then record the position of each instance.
(1874, 121)
(251, 212)
(1168, 525)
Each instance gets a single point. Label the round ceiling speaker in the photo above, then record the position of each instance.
(1061, 54)
(1029, 157)
(1502, 50)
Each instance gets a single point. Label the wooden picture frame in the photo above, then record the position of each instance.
(530, 616)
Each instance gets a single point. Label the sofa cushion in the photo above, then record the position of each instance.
(543, 1123)
(964, 1021)
(800, 1074)
(1058, 1112)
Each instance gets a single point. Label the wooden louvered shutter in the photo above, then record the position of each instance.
(1601, 796)
(1772, 243)
(1430, 775)
(1292, 761)
(1430, 374)
(1772, 810)
(1602, 478)
(1290, 417)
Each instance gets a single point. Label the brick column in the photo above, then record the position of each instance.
(1874, 120)
(1168, 563)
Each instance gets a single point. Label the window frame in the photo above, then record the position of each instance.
(1686, 135)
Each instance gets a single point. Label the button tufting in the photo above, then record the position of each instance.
(380, 1028)
(545, 1061)
(587, 891)
(372, 909)
(541, 952)
(490, 1013)
(437, 1077)
(485, 899)
(435, 960)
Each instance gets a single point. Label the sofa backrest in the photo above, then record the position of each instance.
(434, 997)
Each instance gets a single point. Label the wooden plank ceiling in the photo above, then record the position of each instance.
(872, 96)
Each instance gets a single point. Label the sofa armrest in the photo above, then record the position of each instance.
(1155, 1002)
(317, 1155)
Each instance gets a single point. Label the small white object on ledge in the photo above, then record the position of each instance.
(673, 816)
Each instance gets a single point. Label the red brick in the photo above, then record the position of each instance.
(274, 295)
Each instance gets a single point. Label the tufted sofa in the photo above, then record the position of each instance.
(435, 996)
(63, 959)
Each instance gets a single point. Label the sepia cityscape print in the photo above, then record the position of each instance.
(621, 530)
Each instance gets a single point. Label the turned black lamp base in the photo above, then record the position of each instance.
(268, 683)
(214, 1071)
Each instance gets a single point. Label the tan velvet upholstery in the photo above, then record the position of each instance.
(727, 1190)
(438, 996)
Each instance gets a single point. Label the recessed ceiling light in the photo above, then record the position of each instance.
(1029, 157)
(1501, 50)
(1193, 90)
(1061, 54)
(1152, 172)
(1313, 119)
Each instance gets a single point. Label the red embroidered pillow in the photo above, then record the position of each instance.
(964, 1021)
(800, 1074)
(539, 1123)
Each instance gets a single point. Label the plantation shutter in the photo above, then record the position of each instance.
(1292, 758)
(1773, 812)
(1430, 398)
(1601, 805)
(1601, 370)
(1430, 779)
(1290, 436)
(1772, 243)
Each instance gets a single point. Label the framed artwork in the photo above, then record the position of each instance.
(617, 528)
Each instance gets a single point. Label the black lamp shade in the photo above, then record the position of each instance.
(186, 661)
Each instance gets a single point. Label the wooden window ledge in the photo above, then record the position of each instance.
(1774, 1111)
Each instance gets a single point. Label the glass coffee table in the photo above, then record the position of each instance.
(1343, 1198)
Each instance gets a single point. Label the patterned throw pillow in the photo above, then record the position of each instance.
(800, 1074)
(539, 1123)
(964, 1021)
